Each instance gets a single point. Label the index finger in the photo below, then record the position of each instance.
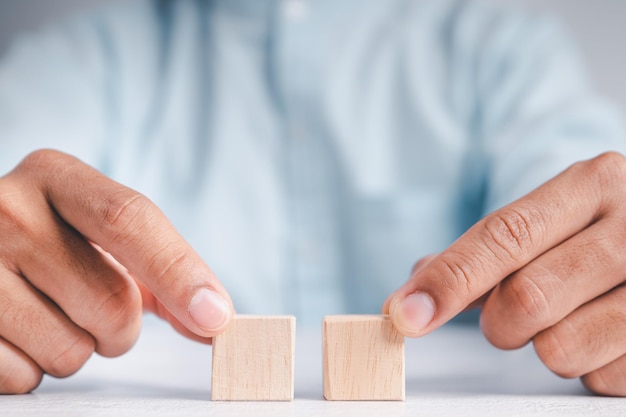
(505, 241)
(130, 227)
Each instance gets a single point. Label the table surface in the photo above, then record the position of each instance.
(451, 372)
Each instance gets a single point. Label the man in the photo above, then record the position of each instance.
(309, 152)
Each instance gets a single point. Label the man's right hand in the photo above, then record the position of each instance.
(79, 255)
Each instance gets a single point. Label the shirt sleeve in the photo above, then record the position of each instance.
(537, 113)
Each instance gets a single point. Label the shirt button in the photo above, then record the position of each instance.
(295, 9)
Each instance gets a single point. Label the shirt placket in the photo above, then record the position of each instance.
(313, 253)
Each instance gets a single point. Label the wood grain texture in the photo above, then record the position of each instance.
(453, 372)
(363, 358)
(253, 360)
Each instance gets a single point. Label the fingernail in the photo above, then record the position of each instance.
(414, 313)
(209, 310)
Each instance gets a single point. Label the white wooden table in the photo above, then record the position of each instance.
(453, 372)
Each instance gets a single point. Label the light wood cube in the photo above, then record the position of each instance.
(363, 358)
(253, 359)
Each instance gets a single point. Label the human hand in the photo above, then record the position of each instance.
(62, 296)
(548, 268)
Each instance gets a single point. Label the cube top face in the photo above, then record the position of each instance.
(356, 318)
(363, 358)
(253, 359)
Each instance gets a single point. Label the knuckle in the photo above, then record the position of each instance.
(456, 276)
(526, 300)
(608, 169)
(117, 318)
(19, 223)
(25, 383)
(21, 379)
(510, 233)
(610, 166)
(520, 302)
(174, 256)
(70, 356)
(10, 220)
(41, 160)
(555, 349)
(604, 381)
(123, 213)
(596, 382)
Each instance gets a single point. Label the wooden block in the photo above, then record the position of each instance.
(363, 358)
(253, 359)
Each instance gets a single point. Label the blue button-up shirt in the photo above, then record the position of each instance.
(311, 151)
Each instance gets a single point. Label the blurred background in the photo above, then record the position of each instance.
(597, 25)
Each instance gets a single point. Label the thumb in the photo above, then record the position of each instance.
(150, 303)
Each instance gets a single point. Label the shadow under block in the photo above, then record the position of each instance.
(363, 358)
(253, 359)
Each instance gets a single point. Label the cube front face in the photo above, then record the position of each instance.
(363, 359)
(253, 360)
